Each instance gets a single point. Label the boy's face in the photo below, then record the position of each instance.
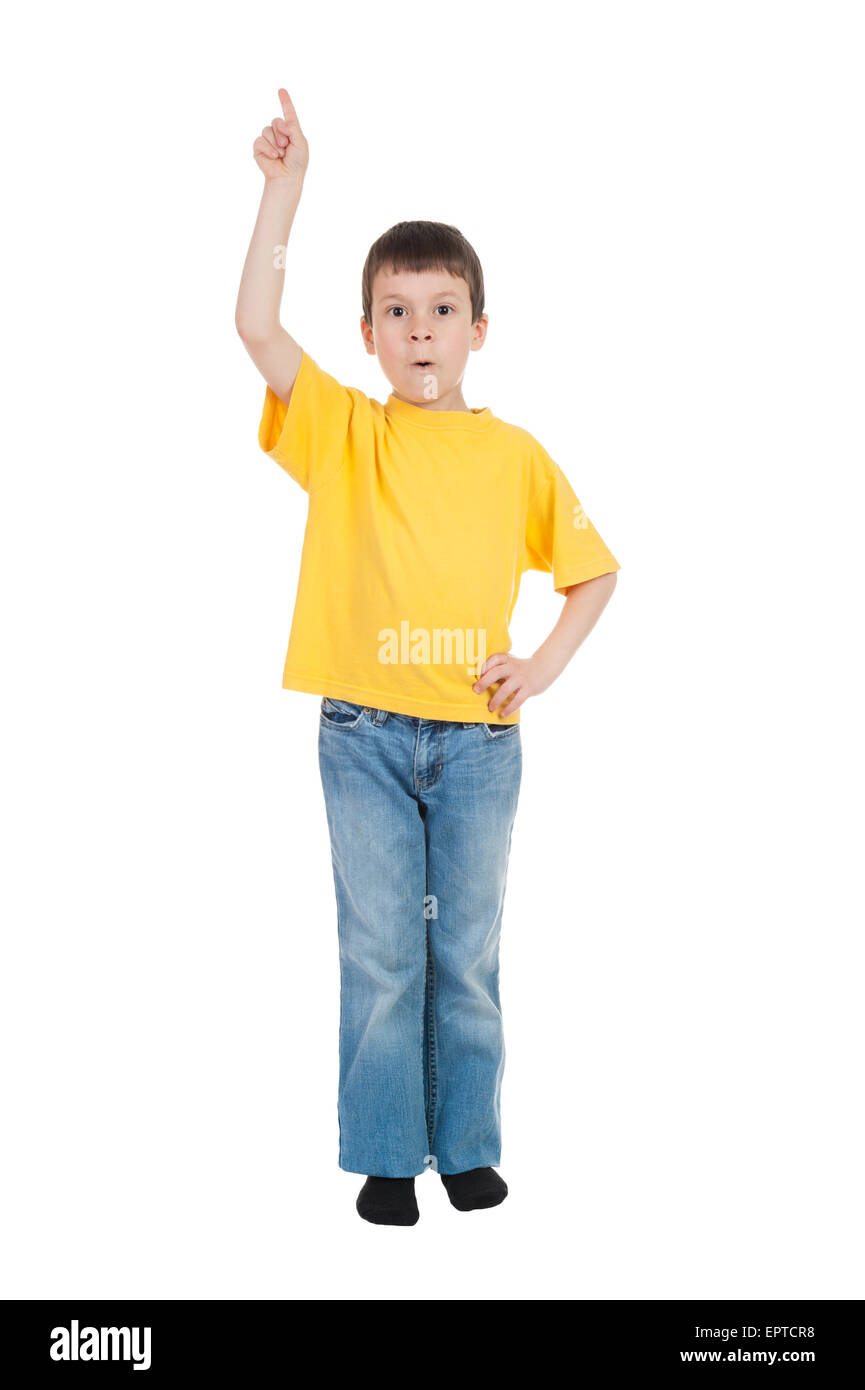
(422, 317)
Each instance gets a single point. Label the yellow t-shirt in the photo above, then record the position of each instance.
(420, 525)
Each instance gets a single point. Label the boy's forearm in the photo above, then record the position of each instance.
(583, 606)
(261, 285)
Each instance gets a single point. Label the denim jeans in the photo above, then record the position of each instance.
(420, 814)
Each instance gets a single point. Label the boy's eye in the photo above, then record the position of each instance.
(399, 307)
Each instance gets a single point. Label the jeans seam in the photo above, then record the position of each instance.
(341, 1021)
(431, 1059)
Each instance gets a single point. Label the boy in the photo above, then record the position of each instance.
(423, 514)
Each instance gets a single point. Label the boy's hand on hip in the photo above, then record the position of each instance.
(281, 150)
(520, 677)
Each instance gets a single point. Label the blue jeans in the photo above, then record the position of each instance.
(420, 814)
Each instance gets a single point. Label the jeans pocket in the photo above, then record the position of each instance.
(341, 714)
(495, 731)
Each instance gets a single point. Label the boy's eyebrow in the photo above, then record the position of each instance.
(437, 294)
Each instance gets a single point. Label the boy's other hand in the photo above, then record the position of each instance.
(520, 678)
(281, 150)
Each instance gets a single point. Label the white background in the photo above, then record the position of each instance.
(667, 202)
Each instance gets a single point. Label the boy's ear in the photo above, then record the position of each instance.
(367, 335)
(480, 332)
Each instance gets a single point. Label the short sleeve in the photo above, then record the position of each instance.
(559, 535)
(308, 436)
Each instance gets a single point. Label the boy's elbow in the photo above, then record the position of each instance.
(243, 327)
(250, 329)
(256, 335)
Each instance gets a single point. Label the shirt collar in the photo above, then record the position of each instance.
(480, 418)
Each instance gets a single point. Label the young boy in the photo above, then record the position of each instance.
(423, 514)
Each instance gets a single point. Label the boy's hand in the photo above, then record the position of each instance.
(281, 150)
(520, 678)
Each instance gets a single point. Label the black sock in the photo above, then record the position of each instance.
(475, 1189)
(388, 1201)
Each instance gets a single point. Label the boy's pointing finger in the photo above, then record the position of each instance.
(285, 102)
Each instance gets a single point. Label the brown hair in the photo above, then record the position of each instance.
(418, 246)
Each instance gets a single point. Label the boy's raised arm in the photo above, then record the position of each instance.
(282, 154)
